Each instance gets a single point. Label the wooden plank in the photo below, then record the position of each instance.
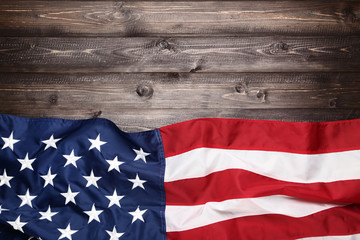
(133, 120)
(110, 92)
(178, 18)
(200, 54)
(148, 100)
(185, 90)
(153, 118)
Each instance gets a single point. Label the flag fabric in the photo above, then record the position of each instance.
(80, 179)
(251, 179)
(213, 179)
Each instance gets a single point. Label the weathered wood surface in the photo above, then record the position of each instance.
(174, 90)
(155, 100)
(183, 18)
(192, 54)
(146, 64)
(134, 120)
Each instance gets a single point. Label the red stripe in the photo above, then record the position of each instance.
(238, 183)
(334, 221)
(295, 137)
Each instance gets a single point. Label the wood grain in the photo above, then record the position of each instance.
(134, 120)
(155, 99)
(179, 18)
(146, 64)
(217, 54)
(172, 90)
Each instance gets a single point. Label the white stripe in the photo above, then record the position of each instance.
(181, 218)
(293, 167)
(346, 237)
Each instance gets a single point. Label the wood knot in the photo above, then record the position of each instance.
(145, 90)
(279, 47)
(240, 88)
(348, 15)
(261, 95)
(332, 103)
(97, 114)
(53, 99)
(198, 65)
(197, 68)
(163, 44)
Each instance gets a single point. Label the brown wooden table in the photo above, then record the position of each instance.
(146, 64)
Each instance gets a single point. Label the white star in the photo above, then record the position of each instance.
(114, 199)
(26, 199)
(48, 178)
(137, 214)
(2, 209)
(5, 179)
(66, 232)
(17, 224)
(92, 180)
(48, 214)
(70, 196)
(71, 159)
(114, 164)
(140, 154)
(96, 143)
(26, 162)
(114, 235)
(10, 141)
(51, 142)
(93, 214)
(137, 182)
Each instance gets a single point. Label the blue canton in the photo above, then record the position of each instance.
(79, 179)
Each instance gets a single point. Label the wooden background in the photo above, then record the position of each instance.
(146, 64)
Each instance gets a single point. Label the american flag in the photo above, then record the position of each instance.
(80, 179)
(213, 179)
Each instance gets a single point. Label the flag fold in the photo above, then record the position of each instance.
(213, 179)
